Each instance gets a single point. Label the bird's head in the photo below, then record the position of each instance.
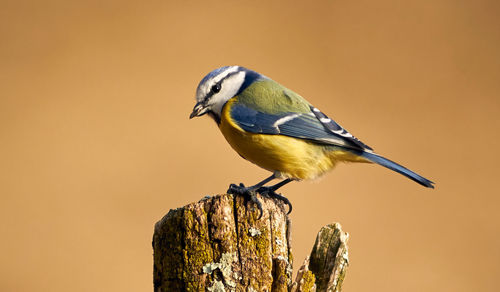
(218, 87)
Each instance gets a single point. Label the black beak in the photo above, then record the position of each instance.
(198, 110)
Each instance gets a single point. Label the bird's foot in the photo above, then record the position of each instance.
(271, 192)
(248, 193)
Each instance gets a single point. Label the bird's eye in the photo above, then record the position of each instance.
(216, 88)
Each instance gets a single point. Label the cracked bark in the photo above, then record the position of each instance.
(217, 244)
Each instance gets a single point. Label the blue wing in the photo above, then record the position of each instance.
(314, 126)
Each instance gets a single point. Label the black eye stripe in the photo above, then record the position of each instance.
(224, 79)
(219, 84)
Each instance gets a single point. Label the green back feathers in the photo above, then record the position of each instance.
(270, 97)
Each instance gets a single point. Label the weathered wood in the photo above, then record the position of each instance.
(217, 244)
(325, 268)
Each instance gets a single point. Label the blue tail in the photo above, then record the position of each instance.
(397, 168)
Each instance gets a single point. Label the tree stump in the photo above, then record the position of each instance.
(217, 244)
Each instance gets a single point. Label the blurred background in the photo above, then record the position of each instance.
(96, 144)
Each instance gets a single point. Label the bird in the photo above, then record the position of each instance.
(280, 131)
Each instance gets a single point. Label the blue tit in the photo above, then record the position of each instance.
(278, 130)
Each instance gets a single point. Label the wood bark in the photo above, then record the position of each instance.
(218, 244)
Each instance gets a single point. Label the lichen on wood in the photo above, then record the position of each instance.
(218, 244)
(327, 265)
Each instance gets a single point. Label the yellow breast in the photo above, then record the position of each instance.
(292, 157)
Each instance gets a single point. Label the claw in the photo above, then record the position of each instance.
(248, 193)
(254, 199)
(270, 192)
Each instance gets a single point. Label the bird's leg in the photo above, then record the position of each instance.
(250, 192)
(271, 192)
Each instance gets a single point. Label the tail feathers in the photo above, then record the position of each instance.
(398, 168)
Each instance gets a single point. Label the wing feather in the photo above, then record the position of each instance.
(310, 126)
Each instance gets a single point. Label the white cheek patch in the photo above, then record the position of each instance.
(229, 89)
(205, 88)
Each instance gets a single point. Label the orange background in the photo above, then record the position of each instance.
(96, 144)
